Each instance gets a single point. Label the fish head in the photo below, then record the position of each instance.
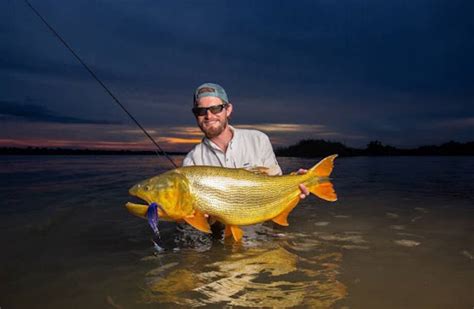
(170, 191)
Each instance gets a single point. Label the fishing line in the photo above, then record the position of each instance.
(116, 100)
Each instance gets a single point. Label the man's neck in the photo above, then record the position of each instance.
(223, 139)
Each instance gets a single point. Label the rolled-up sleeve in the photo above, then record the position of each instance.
(269, 158)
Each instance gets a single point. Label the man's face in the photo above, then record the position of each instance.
(213, 124)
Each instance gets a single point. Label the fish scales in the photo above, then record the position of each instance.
(241, 197)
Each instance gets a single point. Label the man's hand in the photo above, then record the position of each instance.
(304, 190)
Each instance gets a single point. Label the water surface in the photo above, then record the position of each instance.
(400, 236)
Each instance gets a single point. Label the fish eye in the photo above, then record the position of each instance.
(147, 188)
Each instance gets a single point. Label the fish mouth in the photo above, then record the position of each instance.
(139, 194)
(138, 208)
(140, 202)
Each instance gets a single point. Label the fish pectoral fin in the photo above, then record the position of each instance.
(198, 221)
(282, 218)
(324, 190)
(235, 231)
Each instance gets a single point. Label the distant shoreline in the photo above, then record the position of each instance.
(317, 148)
(305, 148)
(66, 151)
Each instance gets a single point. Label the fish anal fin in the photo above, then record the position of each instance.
(282, 218)
(198, 221)
(324, 190)
(235, 231)
(324, 167)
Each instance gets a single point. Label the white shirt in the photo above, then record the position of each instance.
(247, 149)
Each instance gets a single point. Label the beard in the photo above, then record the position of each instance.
(215, 130)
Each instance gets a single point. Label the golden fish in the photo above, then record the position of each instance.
(235, 197)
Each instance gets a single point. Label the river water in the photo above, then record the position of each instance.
(400, 236)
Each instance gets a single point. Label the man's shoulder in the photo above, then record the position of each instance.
(251, 133)
(191, 156)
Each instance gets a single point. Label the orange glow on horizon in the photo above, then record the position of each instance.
(179, 140)
(171, 144)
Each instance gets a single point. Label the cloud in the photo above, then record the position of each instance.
(177, 140)
(286, 127)
(38, 113)
(458, 123)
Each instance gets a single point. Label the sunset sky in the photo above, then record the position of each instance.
(401, 72)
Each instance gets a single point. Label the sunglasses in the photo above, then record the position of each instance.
(202, 111)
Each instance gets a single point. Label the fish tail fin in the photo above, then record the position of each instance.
(323, 169)
(324, 191)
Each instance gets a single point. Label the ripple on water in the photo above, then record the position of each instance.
(323, 223)
(392, 215)
(407, 243)
(397, 227)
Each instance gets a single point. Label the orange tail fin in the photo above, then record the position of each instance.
(324, 167)
(324, 190)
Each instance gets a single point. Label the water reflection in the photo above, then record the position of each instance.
(396, 240)
(271, 276)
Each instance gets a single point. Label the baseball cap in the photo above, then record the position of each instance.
(210, 90)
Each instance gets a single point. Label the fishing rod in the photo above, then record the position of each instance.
(116, 100)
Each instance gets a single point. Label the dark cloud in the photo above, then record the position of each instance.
(366, 67)
(38, 113)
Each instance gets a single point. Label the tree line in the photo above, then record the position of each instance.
(305, 148)
(318, 148)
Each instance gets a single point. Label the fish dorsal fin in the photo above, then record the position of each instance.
(198, 221)
(324, 190)
(282, 218)
(324, 167)
(259, 170)
(235, 231)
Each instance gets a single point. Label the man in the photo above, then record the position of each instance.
(224, 145)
